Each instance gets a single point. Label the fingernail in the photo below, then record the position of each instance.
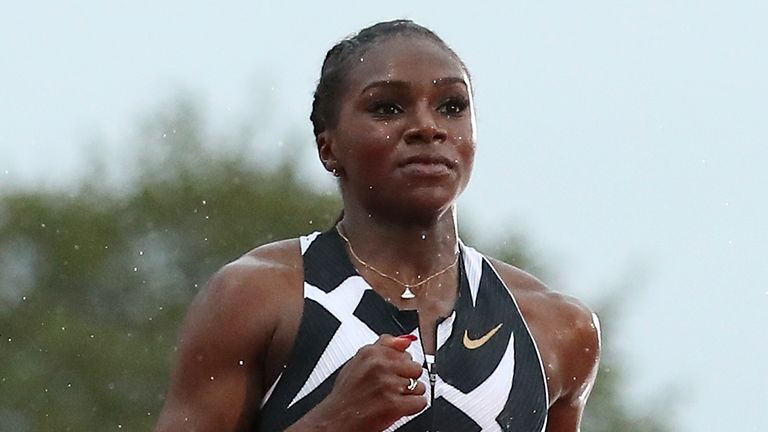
(410, 337)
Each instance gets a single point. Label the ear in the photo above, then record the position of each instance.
(326, 152)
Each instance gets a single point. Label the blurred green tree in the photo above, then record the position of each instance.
(94, 284)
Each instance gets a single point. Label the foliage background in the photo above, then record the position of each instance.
(94, 283)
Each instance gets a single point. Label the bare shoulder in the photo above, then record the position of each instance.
(566, 331)
(226, 337)
(278, 259)
(258, 276)
(531, 293)
(241, 304)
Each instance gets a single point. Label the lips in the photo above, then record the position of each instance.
(427, 165)
(427, 160)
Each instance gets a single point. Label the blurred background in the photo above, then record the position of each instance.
(622, 158)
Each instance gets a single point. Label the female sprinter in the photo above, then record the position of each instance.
(386, 321)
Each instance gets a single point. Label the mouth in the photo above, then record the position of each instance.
(427, 165)
(428, 160)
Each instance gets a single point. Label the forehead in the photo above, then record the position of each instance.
(404, 58)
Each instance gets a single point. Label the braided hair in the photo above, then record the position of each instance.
(340, 59)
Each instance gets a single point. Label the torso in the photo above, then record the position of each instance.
(340, 312)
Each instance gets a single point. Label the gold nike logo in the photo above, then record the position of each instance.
(477, 343)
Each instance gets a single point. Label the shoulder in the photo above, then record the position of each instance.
(257, 270)
(533, 295)
(566, 331)
(227, 333)
(246, 294)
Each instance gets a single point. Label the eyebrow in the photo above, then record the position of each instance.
(406, 84)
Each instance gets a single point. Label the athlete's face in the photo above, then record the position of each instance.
(405, 137)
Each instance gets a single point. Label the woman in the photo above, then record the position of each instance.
(386, 321)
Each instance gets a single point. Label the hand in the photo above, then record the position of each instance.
(370, 392)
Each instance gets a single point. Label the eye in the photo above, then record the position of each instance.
(385, 109)
(454, 106)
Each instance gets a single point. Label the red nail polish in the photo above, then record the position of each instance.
(410, 337)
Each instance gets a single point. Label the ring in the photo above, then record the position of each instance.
(412, 383)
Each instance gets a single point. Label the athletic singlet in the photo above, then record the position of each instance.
(487, 372)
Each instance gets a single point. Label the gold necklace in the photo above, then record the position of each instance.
(407, 293)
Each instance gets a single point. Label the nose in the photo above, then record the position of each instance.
(425, 128)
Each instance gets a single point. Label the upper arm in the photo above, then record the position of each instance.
(567, 334)
(218, 376)
(580, 354)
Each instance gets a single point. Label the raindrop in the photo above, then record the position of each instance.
(204, 202)
(423, 236)
(141, 253)
(387, 136)
(69, 385)
(165, 135)
(361, 59)
(135, 269)
(42, 225)
(63, 328)
(207, 217)
(76, 247)
(92, 335)
(212, 378)
(111, 386)
(10, 340)
(241, 362)
(23, 298)
(310, 221)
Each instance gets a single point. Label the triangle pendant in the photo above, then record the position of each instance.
(407, 294)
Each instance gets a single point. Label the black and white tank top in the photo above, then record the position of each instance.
(488, 374)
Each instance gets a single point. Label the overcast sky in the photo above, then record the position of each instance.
(627, 140)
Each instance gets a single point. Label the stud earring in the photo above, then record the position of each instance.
(335, 172)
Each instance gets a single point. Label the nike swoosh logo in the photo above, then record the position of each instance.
(477, 343)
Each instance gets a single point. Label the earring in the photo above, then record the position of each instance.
(335, 172)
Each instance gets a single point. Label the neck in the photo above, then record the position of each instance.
(407, 252)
